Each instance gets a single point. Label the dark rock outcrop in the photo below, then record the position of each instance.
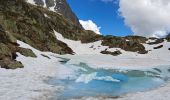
(157, 41)
(26, 52)
(115, 53)
(158, 47)
(11, 65)
(8, 56)
(119, 42)
(138, 39)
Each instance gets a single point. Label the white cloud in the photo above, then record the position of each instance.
(90, 25)
(146, 17)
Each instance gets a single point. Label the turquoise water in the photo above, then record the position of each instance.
(107, 83)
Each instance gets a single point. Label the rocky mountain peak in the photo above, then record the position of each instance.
(60, 6)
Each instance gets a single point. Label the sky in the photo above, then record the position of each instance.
(103, 14)
(150, 18)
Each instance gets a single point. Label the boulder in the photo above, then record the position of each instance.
(15, 65)
(8, 63)
(26, 52)
(115, 53)
(158, 47)
(4, 51)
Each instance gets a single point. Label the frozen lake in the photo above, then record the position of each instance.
(85, 81)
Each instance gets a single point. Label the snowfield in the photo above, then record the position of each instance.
(29, 83)
(90, 53)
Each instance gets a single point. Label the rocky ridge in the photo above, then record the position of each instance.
(62, 7)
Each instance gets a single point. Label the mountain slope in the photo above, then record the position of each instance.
(59, 6)
(33, 25)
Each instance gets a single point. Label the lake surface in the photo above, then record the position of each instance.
(89, 82)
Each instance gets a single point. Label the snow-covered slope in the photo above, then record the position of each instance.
(84, 52)
(79, 48)
(28, 83)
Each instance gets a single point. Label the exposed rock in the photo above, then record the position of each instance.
(158, 47)
(119, 42)
(92, 38)
(8, 56)
(14, 65)
(50, 3)
(8, 63)
(26, 52)
(142, 52)
(157, 41)
(62, 7)
(39, 2)
(153, 38)
(4, 51)
(115, 53)
(27, 23)
(138, 39)
(45, 56)
(6, 37)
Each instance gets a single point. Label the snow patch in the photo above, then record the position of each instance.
(31, 2)
(80, 48)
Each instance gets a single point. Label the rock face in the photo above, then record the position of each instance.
(127, 45)
(62, 7)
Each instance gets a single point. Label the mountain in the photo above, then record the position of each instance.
(59, 6)
(36, 23)
(33, 25)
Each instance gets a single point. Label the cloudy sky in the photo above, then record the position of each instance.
(124, 17)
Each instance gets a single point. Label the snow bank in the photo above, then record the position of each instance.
(31, 2)
(90, 53)
(28, 83)
(80, 48)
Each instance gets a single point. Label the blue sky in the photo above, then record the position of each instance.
(105, 15)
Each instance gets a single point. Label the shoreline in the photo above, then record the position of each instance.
(117, 62)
